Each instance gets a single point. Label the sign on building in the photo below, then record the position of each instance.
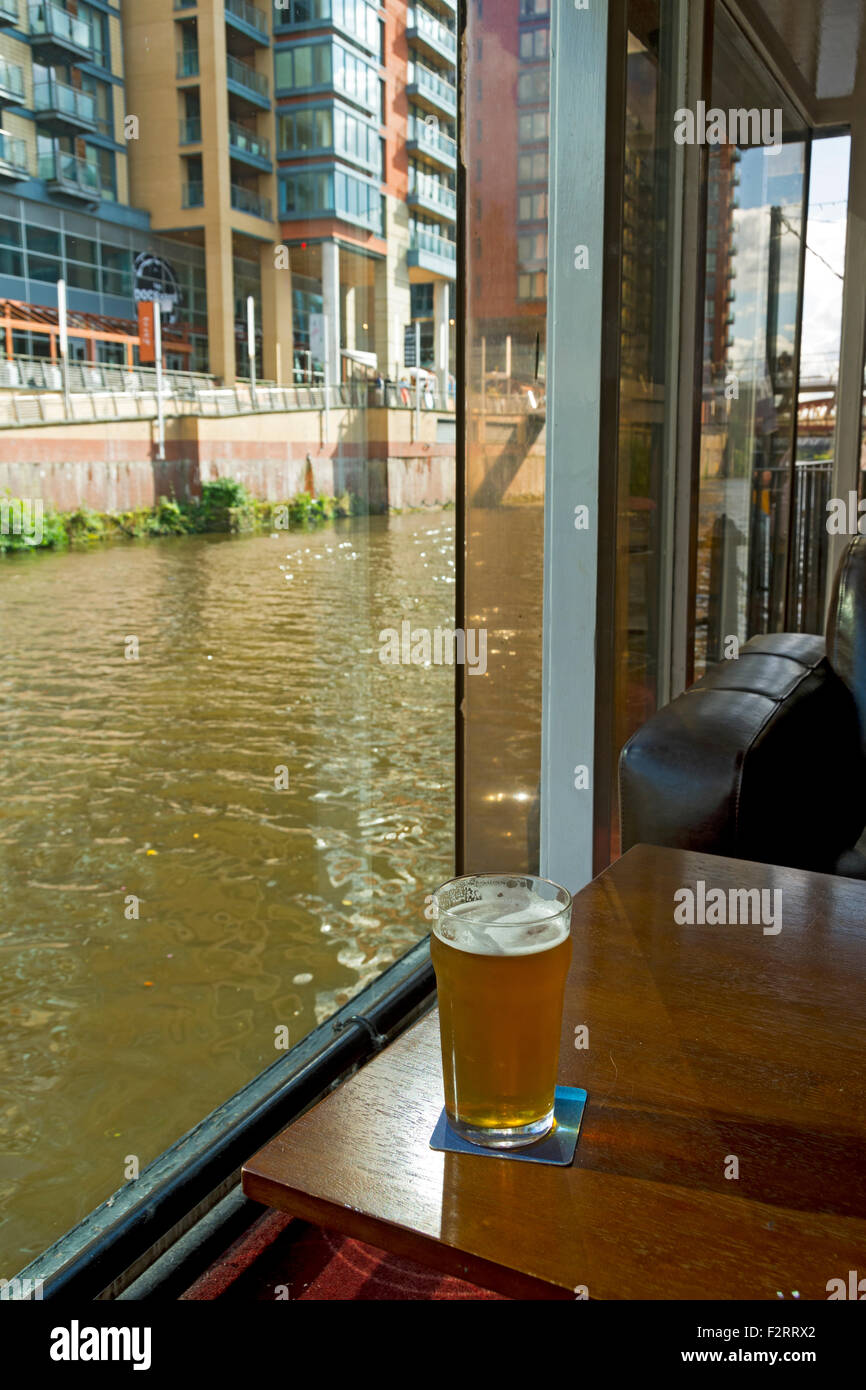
(409, 338)
(147, 344)
(154, 279)
(317, 337)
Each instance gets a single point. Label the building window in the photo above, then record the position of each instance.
(532, 207)
(327, 64)
(533, 86)
(532, 168)
(533, 126)
(534, 44)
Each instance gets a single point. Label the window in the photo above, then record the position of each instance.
(532, 168)
(304, 66)
(533, 126)
(102, 92)
(534, 44)
(532, 207)
(533, 86)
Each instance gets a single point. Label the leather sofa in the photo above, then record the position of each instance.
(765, 757)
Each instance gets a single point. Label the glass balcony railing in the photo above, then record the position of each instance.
(52, 21)
(187, 62)
(11, 79)
(13, 151)
(77, 175)
(193, 194)
(250, 14)
(190, 130)
(243, 200)
(9, 12)
(67, 101)
(434, 88)
(247, 77)
(432, 140)
(433, 30)
(243, 141)
(421, 240)
(428, 190)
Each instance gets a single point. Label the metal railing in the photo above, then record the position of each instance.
(432, 86)
(192, 194)
(49, 19)
(190, 130)
(52, 95)
(250, 14)
(433, 139)
(41, 374)
(244, 200)
(428, 188)
(187, 62)
(421, 240)
(245, 76)
(13, 151)
(248, 142)
(432, 29)
(104, 393)
(69, 169)
(11, 78)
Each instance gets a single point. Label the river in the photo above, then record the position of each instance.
(168, 902)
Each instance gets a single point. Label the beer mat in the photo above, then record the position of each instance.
(556, 1147)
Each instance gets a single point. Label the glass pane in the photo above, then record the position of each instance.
(752, 305)
(819, 378)
(505, 447)
(228, 781)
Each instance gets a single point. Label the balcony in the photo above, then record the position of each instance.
(243, 200)
(62, 109)
(14, 162)
(56, 36)
(192, 194)
(187, 63)
(245, 82)
(431, 91)
(431, 196)
(250, 148)
(428, 251)
(66, 173)
(11, 84)
(431, 36)
(8, 13)
(190, 130)
(433, 143)
(248, 20)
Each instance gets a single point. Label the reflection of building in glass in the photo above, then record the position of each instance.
(723, 180)
(508, 254)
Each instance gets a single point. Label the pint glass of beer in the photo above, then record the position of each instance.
(501, 949)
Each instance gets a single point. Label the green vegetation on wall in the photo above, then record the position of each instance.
(225, 506)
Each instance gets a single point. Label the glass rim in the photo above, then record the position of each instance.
(499, 874)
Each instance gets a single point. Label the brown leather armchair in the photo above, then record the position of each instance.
(765, 757)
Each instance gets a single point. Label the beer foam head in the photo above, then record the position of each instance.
(500, 917)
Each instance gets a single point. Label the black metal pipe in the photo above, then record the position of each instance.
(96, 1252)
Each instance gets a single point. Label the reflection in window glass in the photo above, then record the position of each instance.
(505, 467)
(752, 306)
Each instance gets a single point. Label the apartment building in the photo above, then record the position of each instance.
(65, 206)
(204, 151)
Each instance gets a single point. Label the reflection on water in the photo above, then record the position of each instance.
(154, 779)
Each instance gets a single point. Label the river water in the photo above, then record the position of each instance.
(155, 779)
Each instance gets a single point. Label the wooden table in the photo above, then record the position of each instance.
(706, 1044)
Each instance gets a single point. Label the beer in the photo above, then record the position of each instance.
(501, 951)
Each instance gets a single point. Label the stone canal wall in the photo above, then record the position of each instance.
(373, 453)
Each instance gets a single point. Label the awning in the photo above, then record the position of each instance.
(366, 359)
